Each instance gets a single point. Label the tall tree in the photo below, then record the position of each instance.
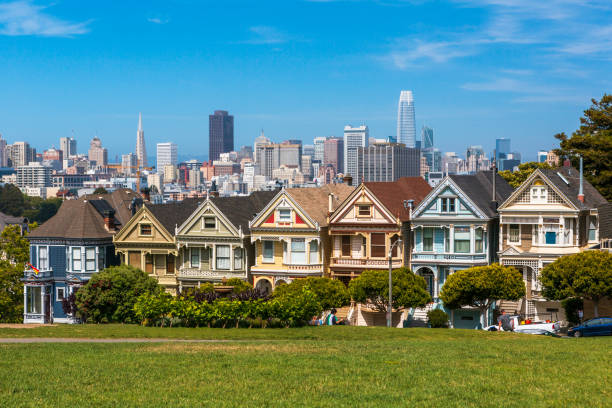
(481, 286)
(586, 275)
(12, 201)
(408, 289)
(516, 178)
(14, 253)
(592, 141)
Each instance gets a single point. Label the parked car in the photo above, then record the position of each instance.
(542, 332)
(552, 327)
(599, 326)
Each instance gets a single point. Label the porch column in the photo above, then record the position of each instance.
(25, 300)
(451, 245)
(472, 240)
(42, 301)
(501, 236)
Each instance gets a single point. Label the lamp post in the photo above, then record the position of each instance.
(390, 307)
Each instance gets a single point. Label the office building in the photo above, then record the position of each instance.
(260, 140)
(433, 157)
(502, 148)
(307, 166)
(319, 148)
(333, 153)
(387, 162)
(129, 164)
(53, 154)
(167, 154)
(220, 134)
(98, 155)
(3, 153)
(141, 147)
(20, 154)
(427, 138)
(68, 146)
(354, 138)
(406, 125)
(290, 153)
(33, 175)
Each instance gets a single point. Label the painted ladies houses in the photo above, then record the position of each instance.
(553, 213)
(214, 242)
(290, 234)
(455, 227)
(365, 226)
(69, 248)
(148, 240)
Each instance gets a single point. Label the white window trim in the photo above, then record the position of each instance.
(57, 290)
(140, 234)
(204, 223)
(279, 215)
(46, 268)
(519, 235)
(263, 253)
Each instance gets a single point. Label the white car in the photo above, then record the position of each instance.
(527, 328)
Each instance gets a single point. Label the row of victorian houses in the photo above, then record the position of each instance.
(273, 237)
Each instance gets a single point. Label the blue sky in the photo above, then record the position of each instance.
(479, 69)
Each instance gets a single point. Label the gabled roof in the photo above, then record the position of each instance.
(242, 209)
(75, 219)
(6, 219)
(315, 202)
(172, 215)
(393, 193)
(121, 200)
(479, 189)
(592, 197)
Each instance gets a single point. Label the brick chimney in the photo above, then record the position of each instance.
(109, 219)
(348, 179)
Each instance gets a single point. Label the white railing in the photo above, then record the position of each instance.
(304, 268)
(365, 263)
(194, 273)
(42, 274)
(449, 257)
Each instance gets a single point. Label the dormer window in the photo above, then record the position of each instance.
(539, 193)
(146, 230)
(447, 204)
(284, 215)
(364, 210)
(210, 222)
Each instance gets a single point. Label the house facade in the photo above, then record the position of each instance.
(214, 242)
(455, 227)
(290, 234)
(368, 223)
(69, 248)
(553, 213)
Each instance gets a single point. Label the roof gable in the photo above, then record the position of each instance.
(394, 195)
(283, 212)
(348, 212)
(132, 231)
(447, 188)
(545, 193)
(196, 224)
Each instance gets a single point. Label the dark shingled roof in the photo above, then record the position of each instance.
(6, 219)
(75, 219)
(242, 209)
(121, 200)
(479, 189)
(315, 200)
(172, 215)
(392, 194)
(605, 220)
(592, 197)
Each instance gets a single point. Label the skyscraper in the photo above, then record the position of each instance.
(220, 134)
(333, 153)
(3, 153)
(502, 148)
(354, 138)
(427, 137)
(167, 154)
(318, 148)
(141, 148)
(387, 162)
(68, 146)
(98, 155)
(406, 127)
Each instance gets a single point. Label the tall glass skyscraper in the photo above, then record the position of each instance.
(502, 148)
(427, 137)
(354, 137)
(406, 126)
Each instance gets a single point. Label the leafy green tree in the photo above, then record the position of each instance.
(330, 292)
(516, 178)
(592, 141)
(100, 190)
(14, 254)
(586, 275)
(12, 201)
(296, 308)
(152, 307)
(409, 290)
(239, 285)
(110, 295)
(481, 286)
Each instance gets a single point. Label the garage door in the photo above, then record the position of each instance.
(466, 319)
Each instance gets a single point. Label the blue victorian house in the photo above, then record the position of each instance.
(456, 227)
(69, 248)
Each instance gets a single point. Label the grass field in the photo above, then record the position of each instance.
(308, 367)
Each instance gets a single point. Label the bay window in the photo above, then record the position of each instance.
(76, 260)
(298, 251)
(314, 252)
(478, 240)
(346, 245)
(90, 259)
(514, 234)
(43, 258)
(268, 251)
(377, 245)
(462, 240)
(592, 228)
(34, 303)
(238, 258)
(223, 256)
(194, 257)
(428, 240)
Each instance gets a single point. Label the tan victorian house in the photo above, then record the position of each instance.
(553, 213)
(148, 242)
(290, 234)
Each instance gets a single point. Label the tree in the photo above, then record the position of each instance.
(238, 285)
(592, 141)
(481, 286)
(100, 190)
(12, 201)
(516, 178)
(586, 275)
(14, 254)
(409, 290)
(330, 292)
(110, 295)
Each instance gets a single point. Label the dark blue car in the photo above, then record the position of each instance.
(599, 326)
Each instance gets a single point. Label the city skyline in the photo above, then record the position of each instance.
(492, 75)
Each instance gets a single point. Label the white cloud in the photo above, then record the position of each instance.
(157, 20)
(24, 18)
(266, 35)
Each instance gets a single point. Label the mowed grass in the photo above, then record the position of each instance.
(308, 367)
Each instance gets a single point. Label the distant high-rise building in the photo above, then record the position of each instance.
(433, 157)
(129, 162)
(98, 155)
(290, 153)
(20, 154)
(333, 153)
(167, 154)
(427, 138)
(502, 148)
(53, 154)
(319, 148)
(354, 138)
(220, 134)
(387, 162)
(141, 147)
(260, 140)
(475, 160)
(406, 126)
(308, 150)
(33, 175)
(68, 146)
(3, 153)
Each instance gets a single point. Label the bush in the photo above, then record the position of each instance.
(571, 306)
(110, 295)
(239, 285)
(330, 293)
(437, 318)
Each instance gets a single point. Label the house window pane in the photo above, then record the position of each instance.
(346, 245)
(592, 228)
(145, 229)
(364, 210)
(284, 215)
(377, 246)
(90, 259)
(462, 239)
(76, 259)
(101, 258)
(298, 251)
(43, 258)
(478, 240)
(149, 263)
(60, 294)
(195, 257)
(428, 239)
(515, 233)
(268, 251)
(210, 223)
(396, 248)
(314, 252)
(446, 240)
(444, 205)
(551, 237)
(238, 258)
(223, 257)
(33, 298)
(451, 205)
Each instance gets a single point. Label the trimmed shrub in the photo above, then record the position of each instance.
(572, 306)
(437, 318)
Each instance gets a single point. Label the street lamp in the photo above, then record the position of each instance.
(390, 308)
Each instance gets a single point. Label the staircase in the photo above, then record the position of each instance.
(511, 307)
(419, 316)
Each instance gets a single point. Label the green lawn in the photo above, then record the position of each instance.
(309, 367)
